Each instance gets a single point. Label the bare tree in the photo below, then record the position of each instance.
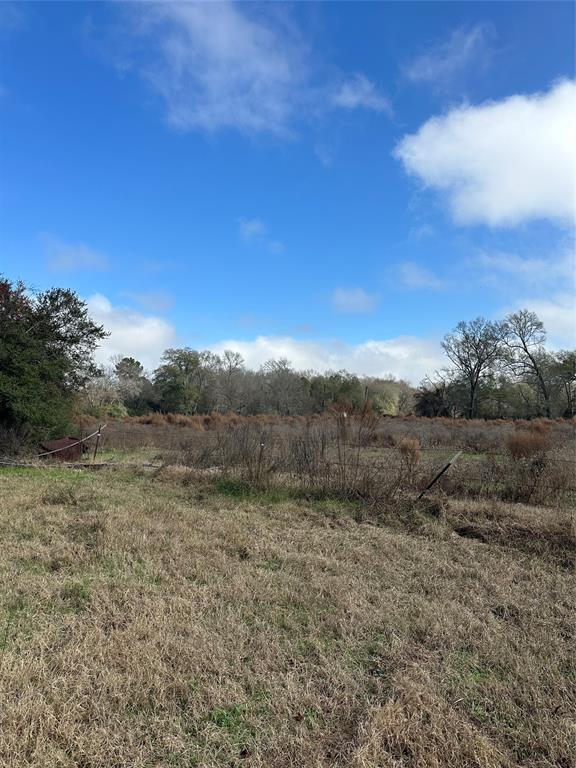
(230, 380)
(525, 337)
(474, 348)
(286, 389)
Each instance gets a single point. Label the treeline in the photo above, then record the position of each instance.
(48, 376)
(190, 382)
(499, 370)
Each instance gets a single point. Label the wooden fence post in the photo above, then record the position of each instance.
(96, 446)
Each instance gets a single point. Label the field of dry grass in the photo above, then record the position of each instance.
(163, 618)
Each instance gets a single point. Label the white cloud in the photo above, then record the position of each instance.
(558, 313)
(144, 337)
(353, 300)
(404, 357)
(504, 162)
(250, 228)
(67, 257)
(219, 65)
(359, 92)
(546, 286)
(411, 275)
(511, 271)
(444, 61)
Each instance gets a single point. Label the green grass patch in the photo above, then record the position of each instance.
(13, 614)
(312, 718)
(273, 563)
(243, 490)
(467, 671)
(76, 595)
(231, 720)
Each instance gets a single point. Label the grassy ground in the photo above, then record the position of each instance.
(149, 621)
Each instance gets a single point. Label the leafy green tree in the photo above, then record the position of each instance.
(136, 390)
(184, 381)
(336, 387)
(128, 369)
(46, 344)
(432, 398)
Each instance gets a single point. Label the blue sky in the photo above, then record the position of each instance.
(337, 183)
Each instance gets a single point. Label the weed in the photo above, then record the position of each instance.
(232, 720)
(312, 718)
(65, 495)
(76, 595)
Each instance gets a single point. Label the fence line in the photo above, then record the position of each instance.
(67, 447)
(15, 463)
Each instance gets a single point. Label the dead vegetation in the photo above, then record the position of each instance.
(274, 597)
(344, 458)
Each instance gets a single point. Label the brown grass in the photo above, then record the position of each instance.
(409, 449)
(148, 621)
(528, 444)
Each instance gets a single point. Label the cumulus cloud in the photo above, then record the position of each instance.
(443, 62)
(68, 257)
(405, 357)
(353, 300)
(501, 163)
(219, 65)
(359, 92)
(413, 276)
(144, 337)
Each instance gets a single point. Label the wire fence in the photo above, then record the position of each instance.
(12, 462)
(482, 473)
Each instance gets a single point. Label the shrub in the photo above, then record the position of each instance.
(527, 444)
(527, 451)
(409, 449)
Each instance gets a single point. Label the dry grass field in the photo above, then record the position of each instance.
(184, 617)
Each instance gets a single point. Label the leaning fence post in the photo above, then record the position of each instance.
(96, 446)
(439, 475)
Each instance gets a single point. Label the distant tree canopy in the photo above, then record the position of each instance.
(498, 370)
(501, 370)
(46, 346)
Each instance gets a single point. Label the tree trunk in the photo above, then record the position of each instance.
(472, 404)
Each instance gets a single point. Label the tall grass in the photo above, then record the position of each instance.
(340, 457)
